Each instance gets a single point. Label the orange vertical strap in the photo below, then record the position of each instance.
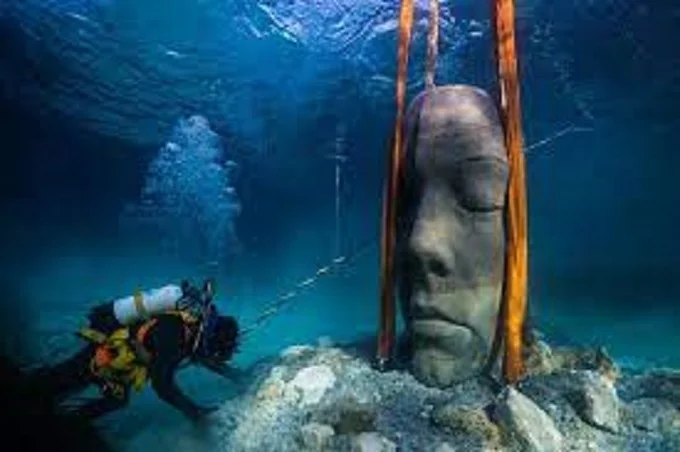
(386, 333)
(515, 294)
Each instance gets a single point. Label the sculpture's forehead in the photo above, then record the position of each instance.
(452, 124)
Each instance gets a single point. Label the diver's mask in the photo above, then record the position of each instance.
(197, 300)
(218, 335)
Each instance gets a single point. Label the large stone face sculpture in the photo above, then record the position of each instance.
(451, 248)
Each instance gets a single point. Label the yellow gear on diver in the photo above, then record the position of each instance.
(120, 359)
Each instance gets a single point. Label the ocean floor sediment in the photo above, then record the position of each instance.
(324, 397)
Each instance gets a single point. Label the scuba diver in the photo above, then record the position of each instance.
(146, 337)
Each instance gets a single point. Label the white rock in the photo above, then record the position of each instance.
(372, 442)
(270, 391)
(313, 382)
(445, 447)
(598, 402)
(291, 395)
(531, 426)
(315, 436)
(295, 350)
(277, 373)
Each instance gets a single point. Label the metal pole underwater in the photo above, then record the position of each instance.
(339, 157)
(516, 262)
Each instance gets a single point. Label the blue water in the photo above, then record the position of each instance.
(92, 91)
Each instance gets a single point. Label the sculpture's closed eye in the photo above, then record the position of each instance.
(479, 185)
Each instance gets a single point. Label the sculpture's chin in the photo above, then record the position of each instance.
(446, 353)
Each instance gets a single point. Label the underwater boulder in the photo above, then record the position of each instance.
(445, 447)
(312, 383)
(524, 422)
(542, 359)
(372, 442)
(348, 415)
(596, 401)
(473, 422)
(315, 437)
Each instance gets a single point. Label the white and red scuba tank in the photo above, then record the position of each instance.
(142, 305)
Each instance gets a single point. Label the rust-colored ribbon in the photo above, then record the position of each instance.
(386, 334)
(516, 264)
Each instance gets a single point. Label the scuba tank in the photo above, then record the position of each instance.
(109, 316)
(112, 315)
(142, 305)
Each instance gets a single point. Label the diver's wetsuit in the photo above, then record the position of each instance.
(167, 345)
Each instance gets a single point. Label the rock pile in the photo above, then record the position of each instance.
(330, 399)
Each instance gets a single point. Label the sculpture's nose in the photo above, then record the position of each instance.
(429, 246)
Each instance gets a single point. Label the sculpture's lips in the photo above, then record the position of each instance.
(432, 324)
(437, 327)
(426, 314)
(456, 339)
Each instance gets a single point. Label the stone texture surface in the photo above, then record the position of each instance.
(315, 437)
(452, 223)
(525, 423)
(569, 409)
